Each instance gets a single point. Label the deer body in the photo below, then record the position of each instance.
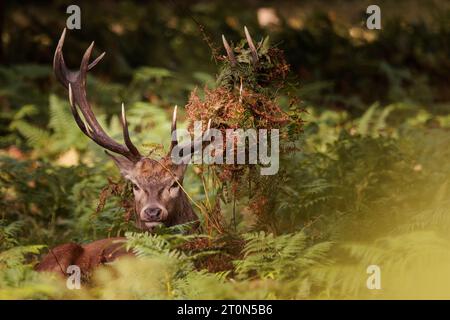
(86, 257)
(158, 200)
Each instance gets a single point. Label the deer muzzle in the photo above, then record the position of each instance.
(153, 216)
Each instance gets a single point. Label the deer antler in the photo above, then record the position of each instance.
(173, 130)
(196, 143)
(251, 45)
(230, 54)
(75, 82)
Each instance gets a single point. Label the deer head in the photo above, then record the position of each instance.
(157, 184)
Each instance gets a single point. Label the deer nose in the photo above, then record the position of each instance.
(152, 214)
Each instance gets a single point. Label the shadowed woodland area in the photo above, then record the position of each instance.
(364, 175)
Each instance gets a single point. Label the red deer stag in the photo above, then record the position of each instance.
(159, 198)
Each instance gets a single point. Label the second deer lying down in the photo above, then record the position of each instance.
(86, 257)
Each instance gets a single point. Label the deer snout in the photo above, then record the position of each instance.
(152, 214)
(152, 217)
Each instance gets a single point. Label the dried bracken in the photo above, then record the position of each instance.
(123, 191)
(222, 253)
(250, 86)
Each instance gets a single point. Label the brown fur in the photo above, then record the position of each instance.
(87, 256)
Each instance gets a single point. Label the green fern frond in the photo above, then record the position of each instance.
(285, 256)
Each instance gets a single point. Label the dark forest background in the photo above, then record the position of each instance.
(344, 65)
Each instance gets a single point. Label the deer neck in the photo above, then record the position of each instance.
(184, 211)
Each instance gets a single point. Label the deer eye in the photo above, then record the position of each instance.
(136, 187)
(174, 184)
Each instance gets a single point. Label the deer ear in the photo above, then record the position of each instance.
(179, 171)
(125, 166)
